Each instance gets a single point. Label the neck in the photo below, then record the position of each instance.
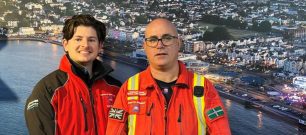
(165, 74)
(88, 67)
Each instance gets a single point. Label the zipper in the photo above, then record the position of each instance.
(179, 120)
(151, 119)
(93, 110)
(84, 112)
(91, 97)
(167, 107)
(92, 105)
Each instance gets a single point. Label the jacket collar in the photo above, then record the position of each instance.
(182, 81)
(99, 69)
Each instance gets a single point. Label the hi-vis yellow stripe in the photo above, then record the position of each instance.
(199, 103)
(133, 84)
(132, 124)
(132, 98)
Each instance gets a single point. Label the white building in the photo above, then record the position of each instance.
(12, 23)
(198, 46)
(300, 82)
(52, 28)
(31, 6)
(26, 31)
(293, 66)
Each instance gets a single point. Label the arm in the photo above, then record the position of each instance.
(215, 113)
(39, 113)
(117, 125)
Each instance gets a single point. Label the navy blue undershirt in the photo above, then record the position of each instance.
(166, 89)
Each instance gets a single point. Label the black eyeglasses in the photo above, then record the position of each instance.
(166, 41)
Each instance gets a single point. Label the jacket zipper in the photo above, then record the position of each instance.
(167, 107)
(92, 106)
(151, 119)
(179, 120)
(93, 110)
(84, 112)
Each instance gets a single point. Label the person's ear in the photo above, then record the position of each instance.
(180, 42)
(65, 45)
(100, 47)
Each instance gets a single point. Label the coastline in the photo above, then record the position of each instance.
(125, 59)
(31, 39)
(261, 107)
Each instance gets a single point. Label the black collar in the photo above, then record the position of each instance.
(99, 71)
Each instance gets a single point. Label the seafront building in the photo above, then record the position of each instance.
(300, 82)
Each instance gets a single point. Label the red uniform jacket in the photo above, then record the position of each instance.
(66, 103)
(153, 117)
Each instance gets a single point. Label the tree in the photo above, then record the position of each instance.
(255, 26)
(265, 26)
(218, 34)
(12, 17)
(142, 19)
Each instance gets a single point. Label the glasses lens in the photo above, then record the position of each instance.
(167, 40)
(152, 42)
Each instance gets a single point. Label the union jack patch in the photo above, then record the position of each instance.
(117, 114)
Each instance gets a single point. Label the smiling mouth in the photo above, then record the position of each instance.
(84, 52)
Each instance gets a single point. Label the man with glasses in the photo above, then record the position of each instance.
(166, 98)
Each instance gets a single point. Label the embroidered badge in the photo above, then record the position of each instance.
(32, 104)
(136, 93)
(117, 114)
(135, 108)
(215, 113)
(132, 93)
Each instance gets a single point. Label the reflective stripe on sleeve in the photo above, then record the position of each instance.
(199, 103)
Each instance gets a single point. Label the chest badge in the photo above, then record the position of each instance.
(135, 108)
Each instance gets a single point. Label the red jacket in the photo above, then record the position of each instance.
(67, 102)
(145, 113)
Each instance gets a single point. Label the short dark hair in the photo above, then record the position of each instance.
(86, 20)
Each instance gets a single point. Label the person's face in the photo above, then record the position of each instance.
(84, 46)
(162, 55)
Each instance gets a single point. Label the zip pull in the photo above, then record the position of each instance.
(91, 96)
(149, 112)
(180, 114)
(84, 111)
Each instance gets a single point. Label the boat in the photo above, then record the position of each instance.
(302, 122)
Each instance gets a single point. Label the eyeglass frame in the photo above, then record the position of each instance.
(161, 40)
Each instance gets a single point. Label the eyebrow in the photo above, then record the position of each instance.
(88, 37)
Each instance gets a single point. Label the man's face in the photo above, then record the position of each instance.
(84, 46)
(162, 55)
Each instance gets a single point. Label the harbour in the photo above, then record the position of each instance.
(24, 67)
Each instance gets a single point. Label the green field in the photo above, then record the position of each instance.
(236, 33)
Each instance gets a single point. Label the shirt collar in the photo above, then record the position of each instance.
(182, 81)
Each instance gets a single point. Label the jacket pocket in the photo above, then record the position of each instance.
(180, 120)
(84, 113)
(150, 119)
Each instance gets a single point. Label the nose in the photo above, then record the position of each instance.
(85, 43)
(160, 44)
